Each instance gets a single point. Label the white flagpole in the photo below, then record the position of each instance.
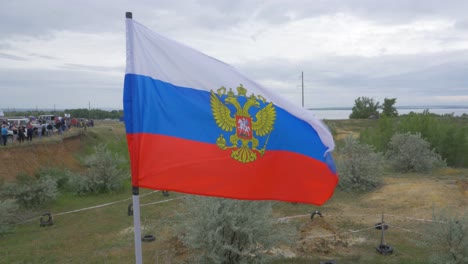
(135, 192)
(136, 225)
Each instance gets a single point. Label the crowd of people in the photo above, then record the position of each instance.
(40, 128)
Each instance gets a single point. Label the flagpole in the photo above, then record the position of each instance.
(136, 204)
(136, 224)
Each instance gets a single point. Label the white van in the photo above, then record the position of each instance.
(18, 121)
(48, 119)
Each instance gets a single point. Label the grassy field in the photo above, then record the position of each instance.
(345, 232)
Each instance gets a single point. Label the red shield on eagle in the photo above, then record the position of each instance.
(244, 127)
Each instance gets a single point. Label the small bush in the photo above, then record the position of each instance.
(7, 214)
(103, 175)
(31, 192)
(230, 231)
(58, 175)
(78, 184)
(359, 167)
(449, 237)
(411, 153)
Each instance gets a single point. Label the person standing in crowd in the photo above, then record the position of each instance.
(50, 130)
(14, 128)
(58, 125)
(39, 130)
(29, 131)
(4, 134)
(21, 135)
(44, 128)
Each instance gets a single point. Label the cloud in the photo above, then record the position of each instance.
(23, 88)
(338, 80)
(12, 57)
(71, 66)
(413, 50)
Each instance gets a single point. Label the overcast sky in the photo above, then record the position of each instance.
(69, 54)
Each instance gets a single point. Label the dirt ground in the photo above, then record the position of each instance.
(404, 201)
(30, 157)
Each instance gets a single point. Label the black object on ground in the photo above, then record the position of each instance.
(315, 213)
(148, 238)
(130, 209)
(46, 219)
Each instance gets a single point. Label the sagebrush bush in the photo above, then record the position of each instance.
(57, 174)
(359, 167)
(8, 209)
(230, 231)
(410, 153)
(103, 175)
(30, 192)
(448, 236)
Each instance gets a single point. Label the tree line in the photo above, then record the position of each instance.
(76, 113)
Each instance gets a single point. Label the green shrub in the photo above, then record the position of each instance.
(78, 184)
(230, 231)
(411, 153)
(447, 135)
(359, 167)
(8, 209)
(58, 175)
(379, 136)
(449, 237)
(30, 192)
(103, 175)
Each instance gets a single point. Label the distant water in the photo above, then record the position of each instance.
(344, 113)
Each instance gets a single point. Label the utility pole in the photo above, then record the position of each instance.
(89, 111)
(302, 76)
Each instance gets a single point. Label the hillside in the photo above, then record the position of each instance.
(28, 158)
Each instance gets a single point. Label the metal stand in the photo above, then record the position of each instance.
(383, 248)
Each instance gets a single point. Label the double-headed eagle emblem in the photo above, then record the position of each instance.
(248, 129)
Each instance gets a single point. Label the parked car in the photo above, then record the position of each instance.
(10, 137)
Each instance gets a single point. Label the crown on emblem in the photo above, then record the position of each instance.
(241, 91)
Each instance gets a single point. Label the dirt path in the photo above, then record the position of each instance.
(30, 157)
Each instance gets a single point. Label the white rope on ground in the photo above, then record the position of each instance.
(163, 201)
(164, 220)
(91, 207)
(348, 232)
(347, 215)
(407, 230)
(276, 219)
(84, 209)
(290, 217)
(323, 215)
(417, 219)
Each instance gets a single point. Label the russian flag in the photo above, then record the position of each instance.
(196, 125)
